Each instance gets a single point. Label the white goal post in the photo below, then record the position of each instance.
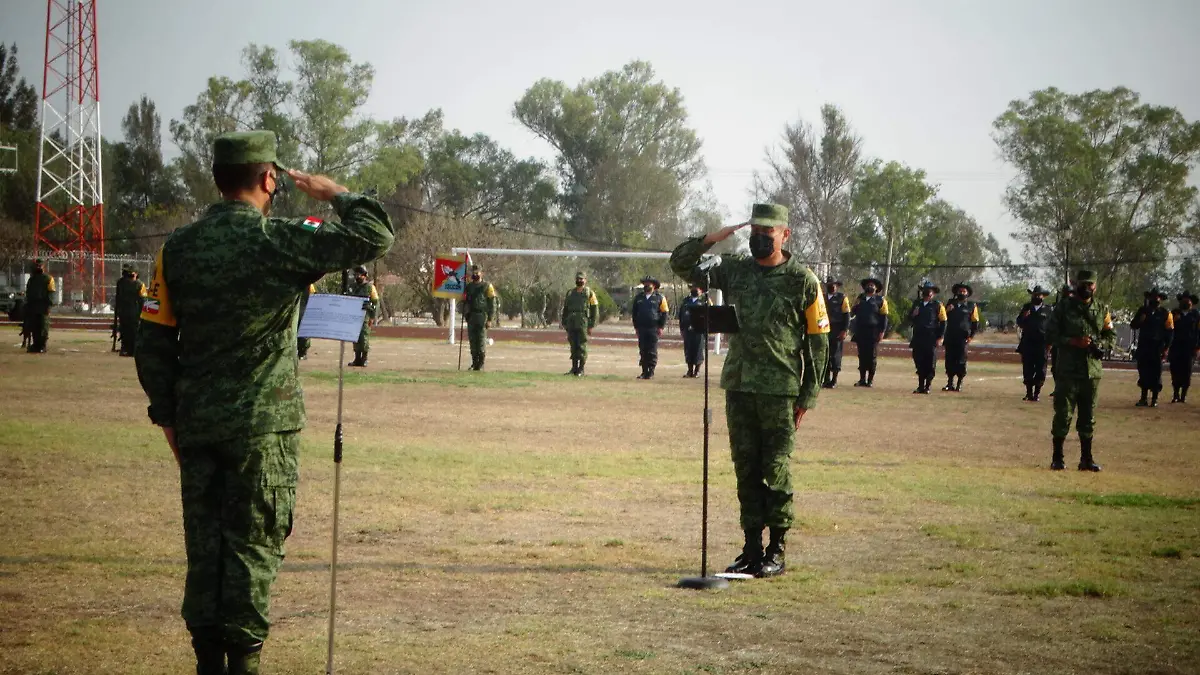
(459, 250)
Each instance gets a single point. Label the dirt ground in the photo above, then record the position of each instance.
(520, 521)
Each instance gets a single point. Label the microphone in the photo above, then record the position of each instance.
(708, 264)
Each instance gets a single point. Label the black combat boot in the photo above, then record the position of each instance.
(1183, 393)
(871, 377)
(958, 384)
(1085, 456)
(1175, 395)
(1056, 461)
(1028, 393)
(574, 367)
(244, 660)
(773, 562)
(862, 378)
(210, 650)
(650, 373)
(920, 386)
(750, 559)
(949, 383)
(1142, 403)
(643, 376)
(1037, 393)
(833, 380)
(579, 371)
(1154, 399)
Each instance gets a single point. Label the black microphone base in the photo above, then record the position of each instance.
(703, 583)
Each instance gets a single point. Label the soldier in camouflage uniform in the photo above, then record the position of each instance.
(363, 288)
(580, 312)
(479, 308)
(128, 308)
(222, 379)
(304, 344)
(1081, 329)
(773, 372)
(39, 298)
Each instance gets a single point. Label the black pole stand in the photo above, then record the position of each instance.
(704, 582)
(337, 485)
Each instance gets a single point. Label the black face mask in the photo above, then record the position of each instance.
(474, 277)
(579, 283)
(962, 296)
(648, 289)
(1155, 302)
(831, 289)
(1036, 300)
(695, 292)
(762, 245)
(1083, 292)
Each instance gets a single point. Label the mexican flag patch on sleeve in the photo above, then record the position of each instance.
(311, 224)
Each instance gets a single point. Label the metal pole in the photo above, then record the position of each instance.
(887, 275)
(717, 337)
(337, 487)
(453, 312)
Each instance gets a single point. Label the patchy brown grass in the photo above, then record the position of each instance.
(517, 521)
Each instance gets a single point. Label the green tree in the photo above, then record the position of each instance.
(1100, 177)
(223, 106)
(814, 177)
(626, 156)
(890, 204)
(144, 194)
(18, 98)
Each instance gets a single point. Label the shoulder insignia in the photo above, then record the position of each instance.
(312, 224)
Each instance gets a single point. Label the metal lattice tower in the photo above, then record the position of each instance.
(69, 223)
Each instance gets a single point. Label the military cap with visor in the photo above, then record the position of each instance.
(247, 147)
(769, 215)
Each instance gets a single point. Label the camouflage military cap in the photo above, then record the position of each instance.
(1085, 276)
(581, 275)
(769, 215)
(476, 268)
(1156, 292)
(246, 147)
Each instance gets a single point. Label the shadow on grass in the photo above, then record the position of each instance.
(464, 379)
(1135, 500)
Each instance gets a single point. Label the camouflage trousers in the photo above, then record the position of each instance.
(238, 497)
(364, 341)
(761, 435)
(1071, 394)
(477, 334)
(578, 339)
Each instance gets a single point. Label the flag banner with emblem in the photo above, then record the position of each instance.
(449, 276)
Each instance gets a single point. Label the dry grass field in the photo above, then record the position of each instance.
(519, 521)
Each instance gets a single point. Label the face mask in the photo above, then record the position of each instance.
(962, 296)
(762, 245)
(870, 290)
(832, 290)
(1083, 292)
(648, 288)
(695, 292)
(926, 296)
(474, 277)
(579, 283)
(1154, 302)
(1036, 301)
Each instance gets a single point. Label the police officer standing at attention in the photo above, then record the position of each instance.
(363, 288)
(39, 298)
(650, 314)
(580, 312)
(1185, 345)
(772, 373)
(928, 318)
(838, 306)
(1033, 320)
(870, 313)
(479, 304)
(222, 379)
(128, 306)
(693, 340)
(1082, 330)
(962, 322)
(1155, 326)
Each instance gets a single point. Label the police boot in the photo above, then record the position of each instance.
(1175, 395)
(750, 559)
(579, 371)
(958, 383)
(650, 372)
(949, 383)
(1154, 399)
(244, 660)
(645, 374)
(1028, 393)
(1142, 401)
(210, 651)
(862, 378)
(871, 377)
(1056, 461)
(833, 380)
(1037, 393)
(920, 386)
(1183, 393)
(1085, 456)
(773, 563)
(482, 358)
(574, 367)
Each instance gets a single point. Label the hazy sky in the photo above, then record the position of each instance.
(920, 80)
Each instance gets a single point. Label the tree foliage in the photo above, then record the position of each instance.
(1100, 177)
(18, 98)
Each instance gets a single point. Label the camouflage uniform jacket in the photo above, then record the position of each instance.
(1074, 318)
(366, 290)
(479, 299)
(783, 343)
(217, 342)
(581, 309)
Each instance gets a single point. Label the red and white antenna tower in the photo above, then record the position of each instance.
(70, 211)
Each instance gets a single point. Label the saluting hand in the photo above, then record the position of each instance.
(798, 415)
(724, 233)
(321, 188)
